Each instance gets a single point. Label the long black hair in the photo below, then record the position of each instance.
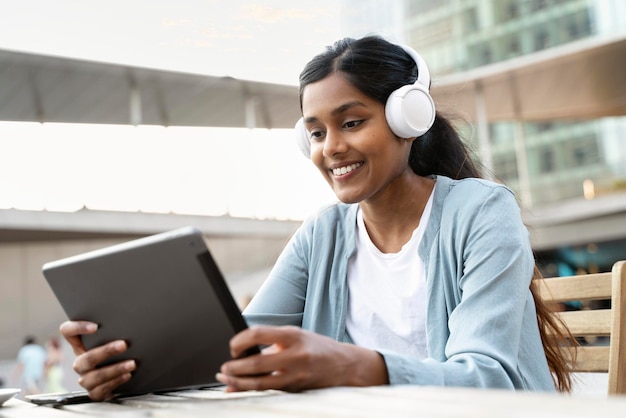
(377, 67)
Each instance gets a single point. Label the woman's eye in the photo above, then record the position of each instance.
(352, 123)
(315, 135)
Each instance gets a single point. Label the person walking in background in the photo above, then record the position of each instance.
(54, 369)
(31, 361)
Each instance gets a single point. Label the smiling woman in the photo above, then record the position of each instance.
(203, 171)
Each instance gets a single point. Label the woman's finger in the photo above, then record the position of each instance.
(104, 377)
(105, 391)
(89, 360)
(242, 383)
(262, 335)
(72, 330)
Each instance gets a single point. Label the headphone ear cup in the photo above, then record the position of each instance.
(410, 111)
(302, 138)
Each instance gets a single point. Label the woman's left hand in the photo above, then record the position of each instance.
(296, 360)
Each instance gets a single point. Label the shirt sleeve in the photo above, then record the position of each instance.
(280, 300)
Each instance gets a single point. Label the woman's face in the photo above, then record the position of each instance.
(351, 143)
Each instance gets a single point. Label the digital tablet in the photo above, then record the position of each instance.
(165, 296)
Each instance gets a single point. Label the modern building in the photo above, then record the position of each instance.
(551, 164)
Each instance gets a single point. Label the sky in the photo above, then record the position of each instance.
(257, 40)
(250, 173)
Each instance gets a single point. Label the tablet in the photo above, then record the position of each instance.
(165, 296)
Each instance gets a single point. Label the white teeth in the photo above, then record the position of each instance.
(346, 169)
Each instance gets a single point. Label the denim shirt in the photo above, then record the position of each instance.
(481, 323)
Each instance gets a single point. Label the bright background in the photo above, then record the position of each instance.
(249, 173)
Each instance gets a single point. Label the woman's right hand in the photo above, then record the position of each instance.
(99, 382)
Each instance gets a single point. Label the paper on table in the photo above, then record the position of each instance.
(221, 393)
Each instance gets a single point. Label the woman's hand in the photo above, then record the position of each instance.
(99, 382)
(296, 360)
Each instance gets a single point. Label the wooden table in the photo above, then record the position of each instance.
(383, 401)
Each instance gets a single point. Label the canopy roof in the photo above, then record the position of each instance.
(580, 80)
(53, 89)
(583, 79)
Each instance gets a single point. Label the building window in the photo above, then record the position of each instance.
(506, 10)
(544, 126)
(580, 25)
(420, 6)
(505, 168)
(547, 163)
(574, 26)
(511, 11)
(480, 54)
(541, 39)
(502, 133)
(583, 152)
(536, 5)
(470, 21)
(513, 47)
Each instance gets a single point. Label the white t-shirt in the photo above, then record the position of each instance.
(387, 294)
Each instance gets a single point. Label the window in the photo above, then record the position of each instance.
(480, 54)
(547, 163)
(421, 6)
(574, 26)
(470, 21)
(505, 168)
(536, 5)
(506, 10)
(541, 39)
(582, 152)
(544, 126)
(513, 47)
(511, 11)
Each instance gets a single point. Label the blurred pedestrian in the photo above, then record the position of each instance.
(54, 369)
(31, 361)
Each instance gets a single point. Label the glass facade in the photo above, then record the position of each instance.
(460, 35)
(564, 158)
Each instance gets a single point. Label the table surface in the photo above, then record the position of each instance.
(380, 401)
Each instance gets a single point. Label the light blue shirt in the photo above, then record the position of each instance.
(33, 358)
(481, 323)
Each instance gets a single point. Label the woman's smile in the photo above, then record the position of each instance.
(346, 169)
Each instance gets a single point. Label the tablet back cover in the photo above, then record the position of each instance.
(165, 296)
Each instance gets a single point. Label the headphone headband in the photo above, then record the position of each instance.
(423, 74)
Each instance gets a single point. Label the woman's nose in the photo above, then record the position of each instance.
(334, 143)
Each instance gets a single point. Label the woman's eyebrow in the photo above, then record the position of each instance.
(347, 106)
(339, 110)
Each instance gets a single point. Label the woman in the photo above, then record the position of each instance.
(421, 275)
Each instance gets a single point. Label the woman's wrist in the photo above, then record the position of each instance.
(367, 368)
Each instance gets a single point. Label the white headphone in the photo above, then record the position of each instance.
(410, 110)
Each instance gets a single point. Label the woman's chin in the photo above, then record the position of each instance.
(348, 198)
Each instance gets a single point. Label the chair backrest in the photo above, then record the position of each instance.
(588, 321)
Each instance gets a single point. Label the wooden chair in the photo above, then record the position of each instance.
(587, 322)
